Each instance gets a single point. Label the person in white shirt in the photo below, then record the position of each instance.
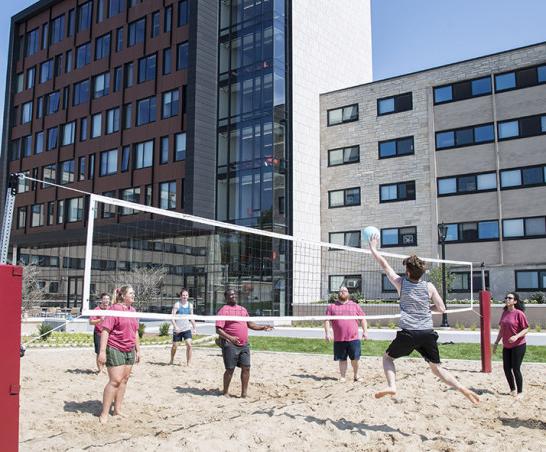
(182, 328)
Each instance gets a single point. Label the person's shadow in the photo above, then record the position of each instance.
(81, 371)
(198, 391)
(89, 406)
(314, 377)
(159, 363)
(515, 422)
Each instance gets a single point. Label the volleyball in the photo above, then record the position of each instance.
(369, 232)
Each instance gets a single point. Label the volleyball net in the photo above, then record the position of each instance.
(277, 278)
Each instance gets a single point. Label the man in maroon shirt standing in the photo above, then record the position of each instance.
(234, 341)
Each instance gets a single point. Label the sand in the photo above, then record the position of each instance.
(295, 403)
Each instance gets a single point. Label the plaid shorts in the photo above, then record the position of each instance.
(115, 357)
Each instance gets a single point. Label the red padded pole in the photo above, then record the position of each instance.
(11, 278)
(485, 330)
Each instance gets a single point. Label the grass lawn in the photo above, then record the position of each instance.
(535, 353)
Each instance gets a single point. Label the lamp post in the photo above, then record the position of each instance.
(442, 234)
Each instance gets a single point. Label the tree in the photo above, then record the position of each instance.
(435, 277)
(146, 282)
(32, 293)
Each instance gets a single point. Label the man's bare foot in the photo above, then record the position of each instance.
(225, 393)
(118, 413)
(171, 363)
(385, 392)
(471, 395)
(244, 395)
(514, 393)
(103, 418)
(358, 379)
(342, 379)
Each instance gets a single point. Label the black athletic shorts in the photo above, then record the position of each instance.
(423, 341)
(235, 356)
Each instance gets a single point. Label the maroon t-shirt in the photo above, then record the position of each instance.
(233, 328)
(345, 330)
(123, 330)
(511, 323)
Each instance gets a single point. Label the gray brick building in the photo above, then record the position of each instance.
(462, 144)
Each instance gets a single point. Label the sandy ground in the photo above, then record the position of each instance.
(295, 403)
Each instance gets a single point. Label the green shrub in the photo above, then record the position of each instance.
(538, 298)
(44, 330)
(391, 326)
(459, 326)
(473, 327)
(538, 328)
(164, 329)
(141, 328)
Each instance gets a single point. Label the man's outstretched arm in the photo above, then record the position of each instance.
(395, 280)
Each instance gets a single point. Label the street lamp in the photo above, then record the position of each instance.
(442, 234)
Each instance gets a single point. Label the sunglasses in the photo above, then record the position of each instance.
(508, 298)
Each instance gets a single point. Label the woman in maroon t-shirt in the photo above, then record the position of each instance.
(513, 327)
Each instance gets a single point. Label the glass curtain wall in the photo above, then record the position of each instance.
(251, 145)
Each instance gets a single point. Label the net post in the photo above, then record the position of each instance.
(485, 330)
(88, 253)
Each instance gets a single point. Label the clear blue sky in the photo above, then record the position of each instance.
(409, 35)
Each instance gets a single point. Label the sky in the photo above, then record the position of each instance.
(410, 35)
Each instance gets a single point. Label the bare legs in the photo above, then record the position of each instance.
(343, 369)
(245, 377)
(114, 391)
(440, 372)
(188, 351)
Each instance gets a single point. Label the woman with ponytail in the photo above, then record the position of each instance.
(119, 350)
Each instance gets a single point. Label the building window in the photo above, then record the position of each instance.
(85, 13)
(532, 227)
(116, 7)
(118, 77)
(155, 25)
(183, 12)
(343, 115)
(69, 132)
(31, 42)
(68, 64)
(522, 78)
(473, 231)
(182, 56)
(394, 104)
(59, 65)
(46, 70)
(26, 144)
(45, 35)
(467, 183)
(83, 129)
(101, 85)
(522, 127)
(386, 285)
(131, 195)
(74, 210)
(26, 113)
(67, 172)
(352, 282)
(148, 195)
(31, 75)
(344, 156)
(49, 175)
(345, 238)
(167, 195)
(164, 154)
(128, 116)
(401, 191)
(108, 210)
(466, 136)
(146, 109)
(461, 282)
(168, 19)
(147, 68)
(462, 90)
(39, 143)
(167, 61)
(37, 218)
(53, 102)
(108, 162)
(83, 55)
(70, 29)
(81, 93)
(119, 39)
(52, 137)
(50, 213)
(112, 120)
(530, 176)
(91, 166)
(344, 198)
(20, 82)
(137, 32)
(144, 154)
(180, 146)
(396, 148)
(170, 104)
(96, 125)
(102, 46)
(24, 184)
(530, 280)
(125, 155)
(391, 237)
(129, 75)
(81, 168)
(21, 217)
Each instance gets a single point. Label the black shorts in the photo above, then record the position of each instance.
(344, 349)
(182, 336)
(423, 341)
(235, 356)
(96, 341)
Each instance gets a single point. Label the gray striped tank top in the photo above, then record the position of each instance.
(415, 306)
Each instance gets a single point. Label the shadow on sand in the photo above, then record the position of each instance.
(314, 377)
(198, 391)
(89, 406)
